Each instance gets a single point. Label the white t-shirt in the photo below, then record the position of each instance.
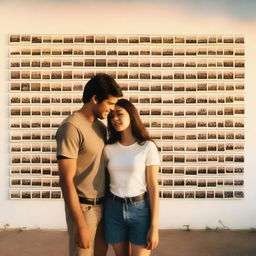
(127, 167)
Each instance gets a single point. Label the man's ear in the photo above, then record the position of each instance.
(94, 99)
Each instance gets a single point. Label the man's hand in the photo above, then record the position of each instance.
(84, 238)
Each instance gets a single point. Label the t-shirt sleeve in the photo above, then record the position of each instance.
(152, 157)
(67, 139)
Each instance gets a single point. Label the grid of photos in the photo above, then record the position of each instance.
(189, 90)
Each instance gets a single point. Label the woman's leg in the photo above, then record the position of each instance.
(121, 249)
(138, 250)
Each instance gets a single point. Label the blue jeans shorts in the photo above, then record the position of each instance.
(126, 221)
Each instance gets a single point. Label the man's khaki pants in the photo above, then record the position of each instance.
(93, 217)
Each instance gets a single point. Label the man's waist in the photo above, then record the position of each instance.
(91, 201)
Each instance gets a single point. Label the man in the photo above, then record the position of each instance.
(80, 141)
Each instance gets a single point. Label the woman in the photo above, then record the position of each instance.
(131, 210)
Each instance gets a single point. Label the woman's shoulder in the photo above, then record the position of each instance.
(110, 146)
(150, 144)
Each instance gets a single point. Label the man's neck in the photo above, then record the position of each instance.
(87, 112)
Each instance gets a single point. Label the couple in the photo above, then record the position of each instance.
(130, 218)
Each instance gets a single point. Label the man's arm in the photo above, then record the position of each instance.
(67, 169)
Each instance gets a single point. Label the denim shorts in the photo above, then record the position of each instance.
(126, 221)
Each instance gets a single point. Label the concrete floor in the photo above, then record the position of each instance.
(172, 243)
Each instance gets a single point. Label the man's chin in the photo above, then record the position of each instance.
(102, 116)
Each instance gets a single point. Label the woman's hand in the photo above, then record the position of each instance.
(152, 238)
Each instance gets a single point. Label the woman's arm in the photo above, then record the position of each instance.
(152, 187)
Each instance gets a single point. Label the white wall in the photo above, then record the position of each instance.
(76, 17)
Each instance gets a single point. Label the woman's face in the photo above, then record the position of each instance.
(119, 119)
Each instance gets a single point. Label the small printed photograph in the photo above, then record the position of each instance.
(77, 39)
(56, 194)
(123, 39)
(26, 111)
(56, 112)
(178, 194)
(36, 183)
(80, 51)
(167, 194)
(167, 170)
(189, 194)
(46, 51)
(15, 86)
(66, 111)
(156, 135)
(133, 51)
(35, 194)
(144, 111)
(167, 123)
(155, 87)
(219, 194)
(155, 111)
(55, 171)
(200, 194)
(168, 39)
(133, 39)
(111, 39)
(156, 75)
(191, 39)
(179, 52)
(122, 51)
(36, 147)
(36, 170)
(15, 195)
(25, 170)
(167, 182)
(122, 74)
(15, 51)
(191, 171)
(47, 39)
(239, 169)
(14, 124)
(167, 86)
(15, 75)
(156, 51)
(26, 136)
(25, 194)
(14, 38)
(112, 51)
(46, 194)
(134, 75)
(191, 159)
(15, 182)
(191, 51)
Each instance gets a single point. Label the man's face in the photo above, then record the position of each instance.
(103, 108)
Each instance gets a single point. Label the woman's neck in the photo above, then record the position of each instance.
(127, 138)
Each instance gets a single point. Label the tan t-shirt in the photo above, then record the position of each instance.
(80, 139)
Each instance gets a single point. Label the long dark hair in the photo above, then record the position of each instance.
(139, 131)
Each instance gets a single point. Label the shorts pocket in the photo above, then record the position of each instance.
(141, 205)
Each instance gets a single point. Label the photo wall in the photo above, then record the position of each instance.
(189, 90)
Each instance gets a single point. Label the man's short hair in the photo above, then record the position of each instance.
(102, 86)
